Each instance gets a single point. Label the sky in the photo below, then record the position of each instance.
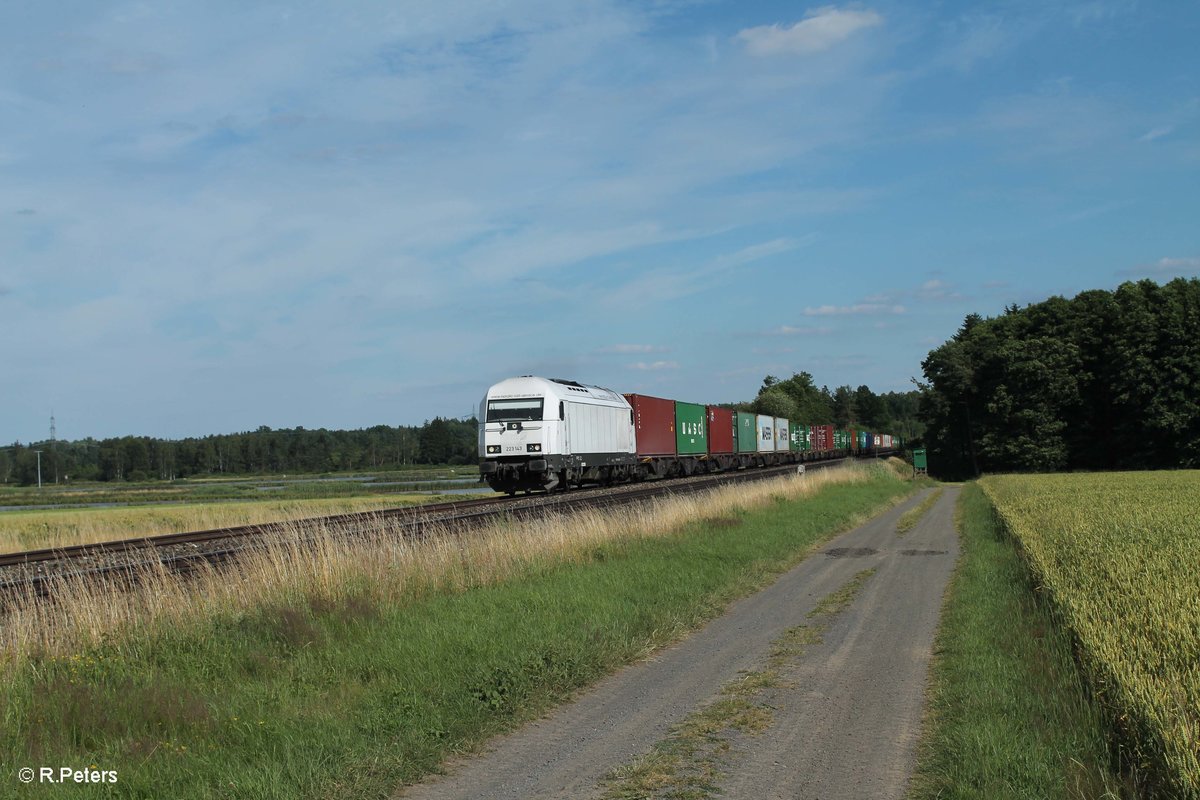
(216, 216)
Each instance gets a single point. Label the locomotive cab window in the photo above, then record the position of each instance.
(520, 410)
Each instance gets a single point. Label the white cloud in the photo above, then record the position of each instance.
(976, 38)
(1164, 267)
(820, 29)
(654, 366)
(800, 330)
(938, 290)
(762, 250)
(1156, 133)
(858, 308)
(933, 290)
(633, 348)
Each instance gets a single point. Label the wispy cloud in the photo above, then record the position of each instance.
(820, 30)
(757, 252)
(654, 366)
(978, 37)
(858, 308)
(1156, 133)
(937, 289)
(799, 330)
(632, 348)
(932, 290)
(1164, 267)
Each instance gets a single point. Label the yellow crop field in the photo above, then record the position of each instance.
(1118, 555)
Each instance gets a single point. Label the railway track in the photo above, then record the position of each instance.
(37, 573)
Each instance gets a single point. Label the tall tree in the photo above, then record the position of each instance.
(1105, 380)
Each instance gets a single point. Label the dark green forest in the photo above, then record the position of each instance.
(264, 451)
(1106, 380)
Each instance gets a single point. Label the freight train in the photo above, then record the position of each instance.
(547, 434)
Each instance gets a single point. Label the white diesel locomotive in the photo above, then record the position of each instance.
(536, 433)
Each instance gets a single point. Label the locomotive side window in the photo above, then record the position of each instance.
(522, 410)
(562, 410)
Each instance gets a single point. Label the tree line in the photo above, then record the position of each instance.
(263, 451)
(798, 399)
(439, 441)
(1106, 380)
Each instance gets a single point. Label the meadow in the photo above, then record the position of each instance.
(348, 669)
(37, 529)
(1115, 557)
(239, 487)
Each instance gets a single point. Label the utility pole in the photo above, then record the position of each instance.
(39, 455)
(54, 446)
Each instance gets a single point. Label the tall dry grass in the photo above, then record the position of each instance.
(380, 567)
(34, 530)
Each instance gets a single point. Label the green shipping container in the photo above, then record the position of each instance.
(691, 429)
(796, 437)
(801, 433)
(747, 432)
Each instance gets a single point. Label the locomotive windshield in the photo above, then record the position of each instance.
(523, 409)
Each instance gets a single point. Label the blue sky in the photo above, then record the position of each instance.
(215, 216)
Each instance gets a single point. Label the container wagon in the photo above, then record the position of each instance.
(766, 433)
(691, 437)
(722, 438)
(746, 442)
(782, 442)
(822, 438)
(654, 434)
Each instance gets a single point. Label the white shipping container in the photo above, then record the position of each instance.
(782, 441)
(766, 434)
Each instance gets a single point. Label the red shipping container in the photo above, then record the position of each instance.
(822, 437)
(720, 430)
(653, 425)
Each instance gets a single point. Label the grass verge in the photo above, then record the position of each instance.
(348, 678)
(1008, 715)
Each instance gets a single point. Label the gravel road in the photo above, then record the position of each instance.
(845, 725)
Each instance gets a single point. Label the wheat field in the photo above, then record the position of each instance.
(1118, 557)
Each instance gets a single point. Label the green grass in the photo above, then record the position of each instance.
(1009, 716)
(909, 518)
(241, 487)
(352, 699)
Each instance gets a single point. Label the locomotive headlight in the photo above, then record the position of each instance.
(493, 448)
(533, 448)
